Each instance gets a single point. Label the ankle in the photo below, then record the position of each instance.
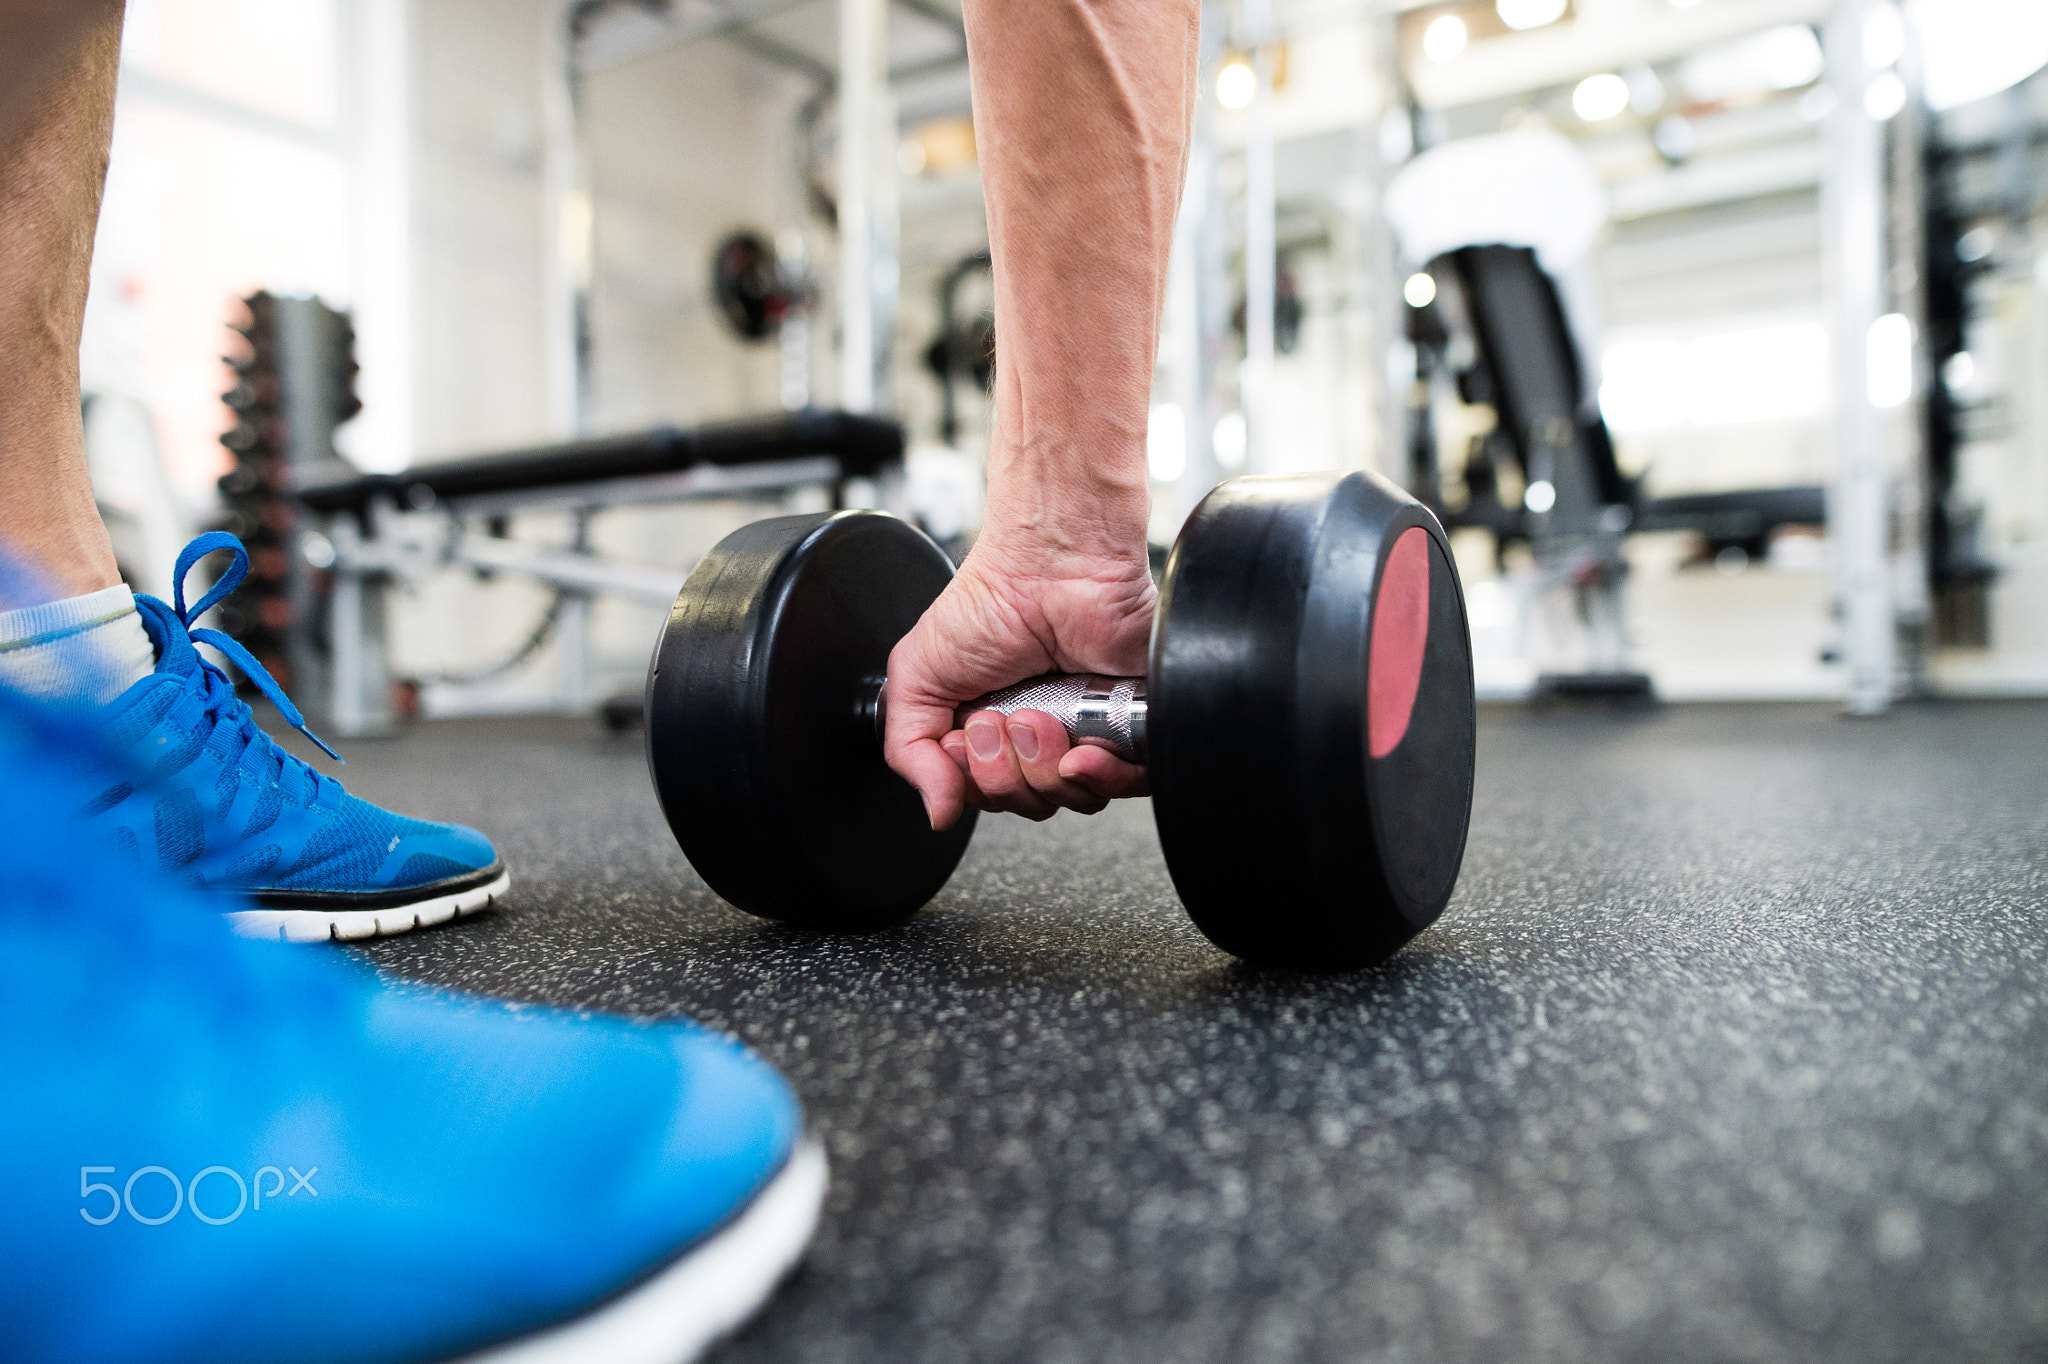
(60, 540)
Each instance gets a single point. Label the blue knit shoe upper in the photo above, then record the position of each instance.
(193, 787)
(220, 1150)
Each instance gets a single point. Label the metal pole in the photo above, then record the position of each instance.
(1198, 287)
(1183, 339)
(1906, 230)
(380, 183)
(1852, 210)
(1387, 311)
(863, 82)
(1259, 265)
(360, 702)
(885, 271)
(566, 227)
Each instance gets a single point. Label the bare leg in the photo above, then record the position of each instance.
(53, 164)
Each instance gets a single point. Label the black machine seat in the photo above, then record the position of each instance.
(864, 446)
(1527, 366)
(1529, 371)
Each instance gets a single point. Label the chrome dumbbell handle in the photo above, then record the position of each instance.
(1108, 712)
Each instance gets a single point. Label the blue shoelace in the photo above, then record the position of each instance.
(220, 696)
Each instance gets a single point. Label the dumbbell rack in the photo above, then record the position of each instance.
(294, 384)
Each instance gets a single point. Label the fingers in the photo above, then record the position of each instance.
(941, 784)
(1013, 763)
(912, 728)
(1101, 772)
(1022, 763)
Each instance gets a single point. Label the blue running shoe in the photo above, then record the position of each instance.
(192, 787)
(220, 1150)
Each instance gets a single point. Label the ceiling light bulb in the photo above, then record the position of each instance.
(1443, 40)
(1229, 441)
(1236, 83)
(1166, 443)
(1527, 14)
(1600, 97)
(1884, 37)
(1884, 96)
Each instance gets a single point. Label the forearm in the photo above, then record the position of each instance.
(1082, 111)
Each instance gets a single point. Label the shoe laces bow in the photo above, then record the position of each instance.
(243, 660)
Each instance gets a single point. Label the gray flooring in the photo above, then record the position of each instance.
(1733, 1045)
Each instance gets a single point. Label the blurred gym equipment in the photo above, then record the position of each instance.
(1496, 305)
(755, 292)
(1506, 320)
(1308, 719)
(382, 528)
(295, 383)
(964, 349)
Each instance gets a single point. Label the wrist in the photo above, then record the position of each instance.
(1063, 530)
(1073, 504)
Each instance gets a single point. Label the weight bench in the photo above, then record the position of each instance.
(377, 529)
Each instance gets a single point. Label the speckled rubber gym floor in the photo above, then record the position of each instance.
(1733, 1045)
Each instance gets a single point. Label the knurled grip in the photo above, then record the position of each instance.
(1108, 712)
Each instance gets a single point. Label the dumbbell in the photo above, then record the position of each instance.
(1307, 720)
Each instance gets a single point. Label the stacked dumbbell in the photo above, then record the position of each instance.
(294, 384)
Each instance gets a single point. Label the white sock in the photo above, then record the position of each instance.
(81, 651)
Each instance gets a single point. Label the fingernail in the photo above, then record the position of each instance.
(984, 738)
(956, 749)
(1026, 740)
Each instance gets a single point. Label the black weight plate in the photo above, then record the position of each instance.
(1289, 841)
(770, 776)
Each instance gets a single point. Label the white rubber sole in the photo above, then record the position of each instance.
(348, 925)
(702, 1297)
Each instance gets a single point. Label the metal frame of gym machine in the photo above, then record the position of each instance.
(386, 528)
(1876, 510)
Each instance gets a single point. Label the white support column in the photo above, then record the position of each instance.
(1852, 209)
(1387, 147)
(359, 693)
(567, 241)
(380, 51)
(1259, 263)
(863, 100)
(1198, 296)
(796, 342)
(572, 652)
(885, 277)
(1907, 427)
(1182, 345)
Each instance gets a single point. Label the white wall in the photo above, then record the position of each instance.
(684, 146)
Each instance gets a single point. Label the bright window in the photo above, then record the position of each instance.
(1730, 374)
(226, 178)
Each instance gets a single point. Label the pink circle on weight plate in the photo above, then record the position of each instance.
(1400, 634)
